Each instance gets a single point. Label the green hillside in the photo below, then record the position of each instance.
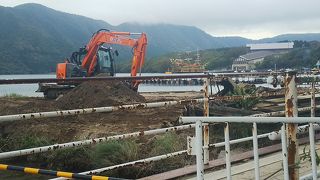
(35, 38)
(214, 59)
(304, 54)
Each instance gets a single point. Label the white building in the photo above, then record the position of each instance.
(257, 54)
(271, 46)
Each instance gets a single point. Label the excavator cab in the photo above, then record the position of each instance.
(105, 62)
(72, 67)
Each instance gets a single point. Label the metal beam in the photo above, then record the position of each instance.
(206, 127)
(93, 141)
(243, 119)
(83, 79)
(311, 130)
(291, 108)
(60, 113)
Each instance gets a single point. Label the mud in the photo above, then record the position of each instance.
(89, 94)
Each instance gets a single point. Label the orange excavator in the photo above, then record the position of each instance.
(98, 57)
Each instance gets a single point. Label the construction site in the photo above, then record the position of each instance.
(104, 113)
(91, 124)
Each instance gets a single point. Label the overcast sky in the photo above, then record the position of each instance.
(247, 18)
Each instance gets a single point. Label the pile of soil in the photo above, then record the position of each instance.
(98, 94)
(9, 106)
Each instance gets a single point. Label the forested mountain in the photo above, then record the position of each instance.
(214, 59)
(293, 37)
(34, 38)
(164, 38)
(303, 55)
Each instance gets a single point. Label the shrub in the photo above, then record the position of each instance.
(72, 159)
(247, 103)
(24, 142)
(165, 144)
(117, 152)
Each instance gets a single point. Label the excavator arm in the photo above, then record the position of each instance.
(121, 38)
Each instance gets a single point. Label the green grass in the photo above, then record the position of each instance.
(79, 159)
(116, 152)
(22, 142)
(247, 103)
(164, 144)
(167, 143)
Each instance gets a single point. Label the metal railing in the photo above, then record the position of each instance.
(254, 120)
(73, 112)
(202, 130)
(94, 141)
(288, 133)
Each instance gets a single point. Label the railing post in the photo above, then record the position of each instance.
(255, 151)
(284, 152)
(313, 97)
(206, 127)
(291, 110)
(227, 150)
(311, 130)
(199, 150)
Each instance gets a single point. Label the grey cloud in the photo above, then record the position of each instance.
(250, 18)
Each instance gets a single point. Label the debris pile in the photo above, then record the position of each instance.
(98, 94)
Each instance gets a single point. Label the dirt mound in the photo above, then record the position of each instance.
(97, 94)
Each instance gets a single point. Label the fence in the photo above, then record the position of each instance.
(54, 147)
(201, 134)
(288, 139)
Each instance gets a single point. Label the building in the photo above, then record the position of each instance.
(187, 65)
(257, 54)
(271, 46)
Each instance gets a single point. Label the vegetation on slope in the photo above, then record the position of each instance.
(109, 153)
(304, 54)
(214, 59)
(34, 38)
